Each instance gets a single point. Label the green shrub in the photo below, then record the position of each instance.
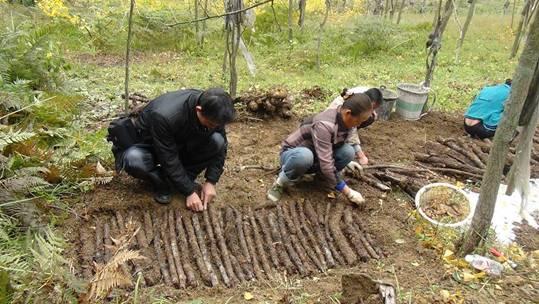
(29, 54)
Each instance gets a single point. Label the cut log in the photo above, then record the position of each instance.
(259, 245)
(311, 235)
(294, 240)
(279, 245)
(87, 246)
(184, 251)
(340, 240)
(214, 214)
(108, 241)
(304, 239)
(259, 273)
(168, 251)
(175, 251)
(233, 242)
(213, 249)
(158, 249)
(354, 236)
(195, 250)
(268, 241)
(320, 235)
(148, 226)
(204, 250)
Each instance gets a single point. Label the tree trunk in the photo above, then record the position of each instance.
(378, 9)
(127, 54)
(392, 9)
(319, 42)
(386, 9)
(434, 42)
(465, 29)
(301, 20)
(437, 13)
(521, 28)
(290, 5)
(513, 14)
(401, 8)
(527, 67)
(506, 5)
(197, 26)
(233, 35)
(204, 25)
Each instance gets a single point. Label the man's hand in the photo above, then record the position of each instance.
(194, 203)
(362, 158)
(208, 194)
(353, 196)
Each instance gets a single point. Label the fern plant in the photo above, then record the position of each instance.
(8, 137)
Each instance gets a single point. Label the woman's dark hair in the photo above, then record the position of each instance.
(508, 81)
(344, 92)
(357, 103)
(375, 95)
(217, 106)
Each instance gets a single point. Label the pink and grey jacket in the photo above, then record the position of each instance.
(321, 134)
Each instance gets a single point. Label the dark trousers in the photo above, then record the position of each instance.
(479, 131)
(139, 160)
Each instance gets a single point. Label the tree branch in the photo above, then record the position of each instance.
(222, 15)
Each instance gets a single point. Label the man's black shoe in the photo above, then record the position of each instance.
(162, 197)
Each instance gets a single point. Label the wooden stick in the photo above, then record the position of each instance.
(158, 250)
(304, 239)
(108, 241)
(294, 240)
(241, 236)
(141, 234)
(313, 218)
(285, 238)
(258, 244)
(470, 154)
(259, 273)
(99, 246)
(175, 251)
(168, 251)
(148, 226)
(213, 249)
(340, 240)
(279, 244)
(336, 254)
(204, 250)
(201, 265)
(232, 237)
(222, 245)
(120, 220)
(366, 238)
(269, 242)
(374, 182)
(184, 251)
(311, 236)
(354, 236)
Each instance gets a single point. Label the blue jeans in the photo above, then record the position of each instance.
(296, 162)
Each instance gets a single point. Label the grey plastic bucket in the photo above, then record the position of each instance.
(412, 99)
(384, 110)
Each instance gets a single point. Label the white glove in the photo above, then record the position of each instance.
(355, 197)
(355, 169)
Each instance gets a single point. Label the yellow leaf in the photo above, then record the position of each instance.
(448, 253)
(497, 287)
(331, 195)
(445, 295)
(467, 276)
(248, 296)
(415, 264)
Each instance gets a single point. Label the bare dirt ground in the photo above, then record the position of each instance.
(418, 273)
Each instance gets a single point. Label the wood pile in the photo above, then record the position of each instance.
(226, 247)
(275, 102)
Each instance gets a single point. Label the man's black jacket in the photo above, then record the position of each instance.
(170, 124)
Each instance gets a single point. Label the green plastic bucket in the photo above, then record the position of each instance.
(411, 100)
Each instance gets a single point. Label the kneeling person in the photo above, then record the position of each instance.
(319, 145)
(180, 135)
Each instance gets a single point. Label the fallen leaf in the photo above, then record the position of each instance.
(400, 241)
(331, 195)
(99, 169)
(248, 296)
(445, 295)
(415, 264)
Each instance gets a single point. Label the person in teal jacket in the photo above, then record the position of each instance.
(483, 115)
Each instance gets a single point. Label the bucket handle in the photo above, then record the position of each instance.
(426, 109)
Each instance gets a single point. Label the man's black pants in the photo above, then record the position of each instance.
(139, 160)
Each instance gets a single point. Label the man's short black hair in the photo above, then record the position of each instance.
(217, 106)
(375, 95)
(508, 81)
